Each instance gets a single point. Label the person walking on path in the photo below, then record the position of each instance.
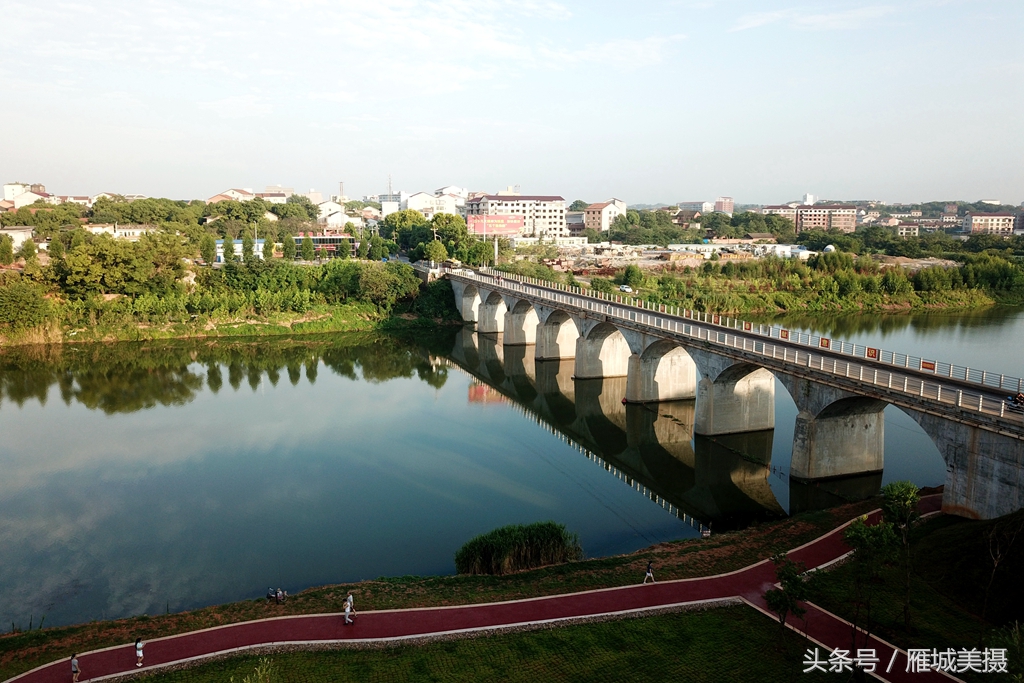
(138, 652)
(650, 572)
(349, 609)
(74, 668)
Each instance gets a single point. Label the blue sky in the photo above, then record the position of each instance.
(649, 101)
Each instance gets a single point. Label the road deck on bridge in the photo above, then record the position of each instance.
(748, 584)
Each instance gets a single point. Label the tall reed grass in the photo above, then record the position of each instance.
(517, 547)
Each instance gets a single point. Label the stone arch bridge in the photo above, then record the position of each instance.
(840, 389)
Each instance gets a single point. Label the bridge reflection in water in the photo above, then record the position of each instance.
(721, 481)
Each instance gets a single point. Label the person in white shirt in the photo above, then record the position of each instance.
(138, 652)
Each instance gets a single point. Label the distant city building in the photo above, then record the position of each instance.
(234, 194)
(460, 192)
(543, 215)
(257, 250)
(950, 218)
(279, 189)
(784, 210)
(993, 202)
(905, 230)
(273, 197)
(821, 216)
(576, 222)
(703, 207)
(989, 224)
(387, 207)
(19, 234)
(724, 205)
(809, 200)
(30, 197)
(600, 216)
(129, 232)
(429, 204)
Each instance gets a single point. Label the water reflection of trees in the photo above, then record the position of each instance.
(126, 377)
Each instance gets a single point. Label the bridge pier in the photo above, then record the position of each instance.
(664, 372)
(491, 318)
(732, 397)
(556, 335)
(467, 299)
(603, 352)
(520, 324)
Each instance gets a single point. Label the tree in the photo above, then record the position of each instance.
(899, 508)
(6, 250)
(268, 248)
(311, 210)
(400, 223)
(229, 249)
(22, 305)
(288, 247)
(633, 276)
(56, 249)
(578, 205)
(308, 250)
(364, 248)
(247, 247)
(793, 587)
(344, 249)
(435, 252)
(873, 546)
(208, 248)
(28, 251)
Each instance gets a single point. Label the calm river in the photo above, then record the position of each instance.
(141, 478)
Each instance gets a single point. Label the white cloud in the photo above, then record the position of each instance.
(822, 21)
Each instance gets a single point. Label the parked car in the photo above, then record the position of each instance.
(625, 288)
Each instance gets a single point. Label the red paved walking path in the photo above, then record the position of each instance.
(748, 584)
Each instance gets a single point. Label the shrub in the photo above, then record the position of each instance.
(517, 547)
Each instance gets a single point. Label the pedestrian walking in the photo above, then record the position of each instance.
(138, 652)
(650, 572)
(74, 668)
(349, 609)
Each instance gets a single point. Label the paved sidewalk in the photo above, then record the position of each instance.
(748, 584)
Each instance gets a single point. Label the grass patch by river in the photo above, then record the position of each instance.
(726, 644)
(675, 560)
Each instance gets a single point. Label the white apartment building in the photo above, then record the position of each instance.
(543, 215)
(26, 198)
(703, 207)
(234, 194)
(784, 210)
(989, 224)
(460, 192)
(905, 230)
(601, 216)
(19, 234)
(129, 232)
(429, 204)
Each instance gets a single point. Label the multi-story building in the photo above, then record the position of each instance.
(989, 224)
(543, 215)
(810, 200)
(129, 232)
(702, 207)
(841, 217)
(601, 216)
(906, 230)
(784, 210)
(576, 222)
(234, 194)
(429, 204)
(724, 205)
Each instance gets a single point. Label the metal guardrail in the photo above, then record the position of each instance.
(755, 339)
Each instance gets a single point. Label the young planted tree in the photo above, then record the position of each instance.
(344, 249)
(873, 547)
(308, 250)
(28, 251)
(56, 249)
(229, 249)
(6, 250)
(248, 246)
(208, 248)
(793, 588)
(363, 249)
(288, 248)
(268, 248)
(899, 508)
(633, 276)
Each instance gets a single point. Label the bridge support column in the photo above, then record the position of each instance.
(520, 323)
(556, 335)
(601, 351)
(837, 434)
(467, 299)
(664, 372)
(492, 314)
(984, 470)
(732, 397)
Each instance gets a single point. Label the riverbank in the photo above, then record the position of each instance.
(721, 553)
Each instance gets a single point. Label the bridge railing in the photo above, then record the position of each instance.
(968, 375)
(702, 326)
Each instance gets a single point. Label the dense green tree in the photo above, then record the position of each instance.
(308, 250)
(28, 251)
(22, 305)
(248, 246)
(208, 248)
(579, 205)
(793, 588)
(229, 250)
(288, 248)
(363, 249)
(344, 249)
(401, 224)
(435, 251)
(56, 248)
(633, 276)
(311, 210)
(6, 250)
(268, 248)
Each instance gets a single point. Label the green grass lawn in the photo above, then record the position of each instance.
(726, 644)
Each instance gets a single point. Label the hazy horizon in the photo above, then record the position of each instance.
(650, 102)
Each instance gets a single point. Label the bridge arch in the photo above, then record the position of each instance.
(733, 397)
(603, 352)
(469, 302)
(521, 322)
(492, 314)
(556, 336)
(842, 438)
(663, 372)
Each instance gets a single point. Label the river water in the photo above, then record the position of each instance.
(144, 478)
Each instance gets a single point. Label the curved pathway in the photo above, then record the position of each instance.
(748, 585)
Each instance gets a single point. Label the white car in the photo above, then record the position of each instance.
(625, 288)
